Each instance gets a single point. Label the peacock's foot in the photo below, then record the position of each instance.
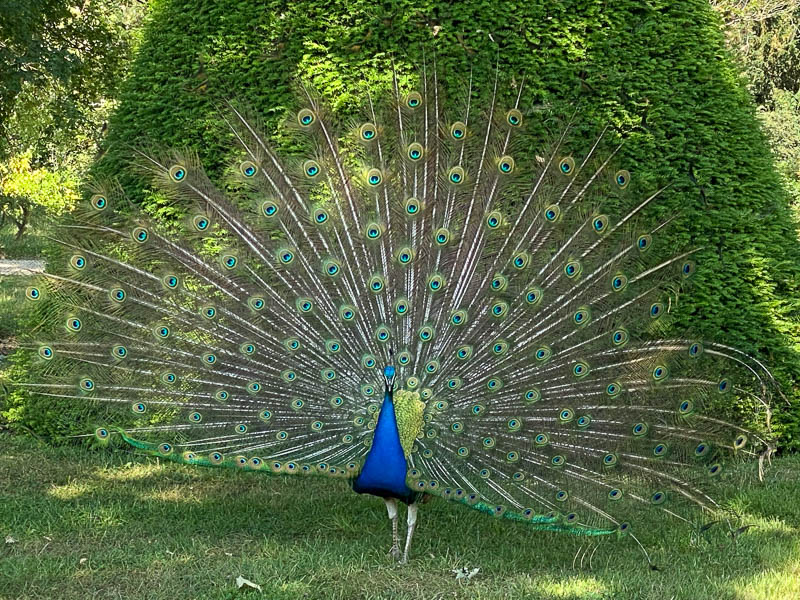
(394, 552)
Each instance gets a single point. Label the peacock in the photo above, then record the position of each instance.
(430, 300)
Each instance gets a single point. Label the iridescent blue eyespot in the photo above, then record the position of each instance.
(572, 269)
(600, 223)
(520, 260)
(660, 372)
(413, 100)
(581, 316)
(78, 262)
(533, 296)
(200, 222)
(178, 173)
(532, 395)
(425, 333)
(435, 283)
(412, 206)
(620, 337)
(304, 305)
(415, 151)
(98, 202)
(368, 132)
(514, 117)
(493, 220)
(458, 130)
(405, 255)
(622, 178)
(456, 175)
(441, 236)
(376, 284)
(306, 117)
(552, 212)
(311, 169)
(331, 267)
(140, 234)
(248, 169)
(658, 498)
(580, 369)
(269, 208)
(506, 165)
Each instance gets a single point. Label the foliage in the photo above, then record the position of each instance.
(72, 51)
(657, 70)
(60, 63)
(102, 523)
(765, 35)
(25, 191)
(782, 123)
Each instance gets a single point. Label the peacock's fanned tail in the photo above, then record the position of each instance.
(520, 293)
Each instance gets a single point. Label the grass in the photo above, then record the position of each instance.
(113, 525)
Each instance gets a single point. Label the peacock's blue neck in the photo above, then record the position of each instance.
(384, 470)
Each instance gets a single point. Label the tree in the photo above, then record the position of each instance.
(25, 190)
(61, 63)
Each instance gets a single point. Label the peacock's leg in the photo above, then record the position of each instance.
(391, 508)
(412, 523)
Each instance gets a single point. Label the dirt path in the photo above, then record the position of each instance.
(21, 267)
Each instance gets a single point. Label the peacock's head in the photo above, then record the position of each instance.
(388, 376)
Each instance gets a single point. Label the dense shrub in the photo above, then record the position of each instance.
(661, 64)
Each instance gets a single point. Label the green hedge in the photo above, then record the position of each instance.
(664, 59)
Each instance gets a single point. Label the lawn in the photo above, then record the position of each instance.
(86, 524)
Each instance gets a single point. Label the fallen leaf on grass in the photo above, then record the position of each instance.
(246, 585)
